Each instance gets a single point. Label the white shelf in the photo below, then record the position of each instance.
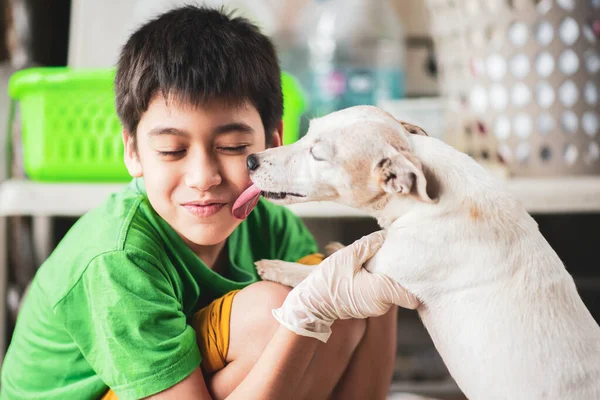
(557, 195)
(23, 197)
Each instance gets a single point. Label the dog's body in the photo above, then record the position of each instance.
(499, 305)
(496, 299)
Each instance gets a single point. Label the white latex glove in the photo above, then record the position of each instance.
(340, 288)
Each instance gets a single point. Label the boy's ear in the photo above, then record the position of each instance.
(402, 174)
(276, 138)
(132, 159)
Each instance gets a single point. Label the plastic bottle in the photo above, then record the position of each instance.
(346, 53)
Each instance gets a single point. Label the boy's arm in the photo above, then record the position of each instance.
(126, 319)
(283, 363)
(140, 345)
(279, 369)
(192, 387)
(275, 375)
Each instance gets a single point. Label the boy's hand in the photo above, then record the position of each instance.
(340, 288)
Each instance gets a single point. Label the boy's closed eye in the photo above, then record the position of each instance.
(171, 153)
(234, 149)
(240, 149)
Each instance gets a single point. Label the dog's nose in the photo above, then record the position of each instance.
(252, 162)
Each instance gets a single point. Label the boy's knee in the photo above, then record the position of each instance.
(252, 324)
(260, 298)
(255, 302)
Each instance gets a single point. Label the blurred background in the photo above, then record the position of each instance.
(513, 83)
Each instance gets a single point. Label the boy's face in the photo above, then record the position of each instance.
(193, 160)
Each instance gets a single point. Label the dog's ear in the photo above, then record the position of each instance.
(414, 129)
(402, 174)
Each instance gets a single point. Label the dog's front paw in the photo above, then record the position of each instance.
(270, 270)
(286, 273)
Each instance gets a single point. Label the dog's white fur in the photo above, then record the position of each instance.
(501, 308)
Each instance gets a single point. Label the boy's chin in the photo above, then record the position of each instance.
(211, 234)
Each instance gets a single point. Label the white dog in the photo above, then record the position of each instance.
(502, 310)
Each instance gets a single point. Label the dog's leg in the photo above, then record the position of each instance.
(289, 273)
(332, 247)
(286, 273)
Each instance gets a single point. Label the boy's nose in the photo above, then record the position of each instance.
(202, 172)
(252, 162)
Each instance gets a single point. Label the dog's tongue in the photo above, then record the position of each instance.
(246, 202)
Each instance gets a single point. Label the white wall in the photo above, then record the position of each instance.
(100, 28)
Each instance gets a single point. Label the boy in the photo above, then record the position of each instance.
(160, 280)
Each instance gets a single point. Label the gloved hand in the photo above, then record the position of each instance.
(340, 288)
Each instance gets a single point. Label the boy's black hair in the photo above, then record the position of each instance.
(198, 55)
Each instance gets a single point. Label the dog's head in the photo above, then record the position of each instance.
(359, 156)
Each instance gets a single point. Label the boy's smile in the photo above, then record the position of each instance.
(204, 208)
(193, 161)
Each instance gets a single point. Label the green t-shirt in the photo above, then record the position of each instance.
(110, 306)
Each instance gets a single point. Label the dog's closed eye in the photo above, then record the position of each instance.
(320, 152)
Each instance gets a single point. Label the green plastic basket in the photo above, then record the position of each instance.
(70, 130)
